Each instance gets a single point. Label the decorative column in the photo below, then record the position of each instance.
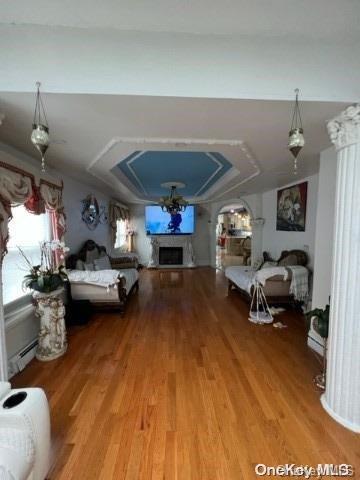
(342, 396)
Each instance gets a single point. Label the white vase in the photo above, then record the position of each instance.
(52, 335)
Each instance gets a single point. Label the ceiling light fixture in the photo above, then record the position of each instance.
(173, 203)
(40, 128)
(296, 134)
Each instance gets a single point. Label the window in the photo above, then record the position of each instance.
(26, 231)
(121, 234)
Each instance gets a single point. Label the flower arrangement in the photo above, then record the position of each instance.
(48, 276)
(130, 231)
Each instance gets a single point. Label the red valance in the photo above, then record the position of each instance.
(18, 187)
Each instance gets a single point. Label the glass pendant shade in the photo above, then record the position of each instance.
(296, 141)
(296, 134)
(40, 131)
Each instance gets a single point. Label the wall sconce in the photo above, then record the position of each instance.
(93, 214)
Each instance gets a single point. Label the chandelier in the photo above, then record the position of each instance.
(173, 203)
(296, 134)
(40, 128)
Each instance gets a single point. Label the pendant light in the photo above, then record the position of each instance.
(40, 128)
(296, 134)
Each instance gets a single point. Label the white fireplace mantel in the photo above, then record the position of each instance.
(184, 241)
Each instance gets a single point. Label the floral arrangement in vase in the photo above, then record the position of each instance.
(50, 274)
(130, 231)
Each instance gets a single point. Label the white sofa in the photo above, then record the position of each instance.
(24, 434)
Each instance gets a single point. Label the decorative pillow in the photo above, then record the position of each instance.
(102, 263)
(89, 266)
(269, 265)
(288, 260)
(258, 264)
(80, 265)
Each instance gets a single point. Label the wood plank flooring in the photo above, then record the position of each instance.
(185, 387)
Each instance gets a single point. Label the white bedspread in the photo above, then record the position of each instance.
(243, 277)
(262, 275)
(102, 278)
(131, 276)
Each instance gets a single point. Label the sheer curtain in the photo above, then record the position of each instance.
(121, 235)
(25, 231)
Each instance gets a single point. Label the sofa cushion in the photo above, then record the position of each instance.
(288, 260)
(102, 263)
(80, 265)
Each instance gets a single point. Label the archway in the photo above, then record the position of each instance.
(233, 234)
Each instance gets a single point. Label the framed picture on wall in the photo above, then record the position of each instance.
(291, 208)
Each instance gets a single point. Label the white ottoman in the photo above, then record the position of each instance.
(24, 433)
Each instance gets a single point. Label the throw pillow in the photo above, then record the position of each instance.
(269, 265)
(258, 264)
(288, 260)
(80, 265)
(102, 263)
(89, 266)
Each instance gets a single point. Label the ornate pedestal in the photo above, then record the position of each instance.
(52, 335)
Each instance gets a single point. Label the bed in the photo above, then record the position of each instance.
(277, 288)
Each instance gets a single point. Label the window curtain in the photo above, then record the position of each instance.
(116, 212)
(17, 187)
(52, 196)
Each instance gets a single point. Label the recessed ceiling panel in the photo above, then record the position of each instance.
(147, 170)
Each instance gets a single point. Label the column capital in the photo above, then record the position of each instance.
(344, 130)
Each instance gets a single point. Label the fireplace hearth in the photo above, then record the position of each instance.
(170, 255)
(172, 246)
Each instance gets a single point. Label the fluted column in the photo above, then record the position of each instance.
(342, 396)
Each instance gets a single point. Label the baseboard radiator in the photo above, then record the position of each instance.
(18, 362)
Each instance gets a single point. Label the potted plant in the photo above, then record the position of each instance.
(46, 281)
(320, 323)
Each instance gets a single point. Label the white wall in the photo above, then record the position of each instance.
(324, 238)
(324, 228)
(275, 241)
(201, 238)
(77, 231)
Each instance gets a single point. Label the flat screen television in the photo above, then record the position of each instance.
(158, 222)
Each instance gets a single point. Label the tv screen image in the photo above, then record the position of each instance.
(158, 222)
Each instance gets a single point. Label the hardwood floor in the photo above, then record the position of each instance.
(185, 387)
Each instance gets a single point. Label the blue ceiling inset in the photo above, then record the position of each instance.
(197, 170)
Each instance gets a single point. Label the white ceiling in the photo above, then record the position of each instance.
(318, 19)
(88, 123)
(256, 49)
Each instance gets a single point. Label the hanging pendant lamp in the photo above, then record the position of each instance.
(40, 128)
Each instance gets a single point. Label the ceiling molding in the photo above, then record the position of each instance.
(101, 166)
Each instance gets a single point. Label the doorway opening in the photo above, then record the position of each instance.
(233, 236)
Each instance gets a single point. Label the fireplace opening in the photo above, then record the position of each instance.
(170, 255)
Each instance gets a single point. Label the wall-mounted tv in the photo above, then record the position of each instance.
(158, 222)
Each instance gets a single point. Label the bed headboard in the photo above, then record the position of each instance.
(302, 257)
